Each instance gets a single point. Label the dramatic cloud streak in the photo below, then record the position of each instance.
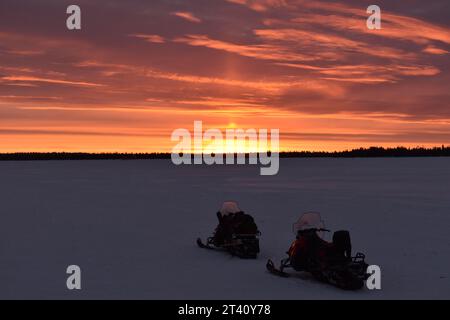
(54, 81)
(187, 16)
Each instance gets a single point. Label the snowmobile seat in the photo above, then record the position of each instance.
(342, 245)
(232, 225)
(244, 224)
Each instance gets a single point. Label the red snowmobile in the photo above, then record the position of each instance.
(236, 233)
(329, 262)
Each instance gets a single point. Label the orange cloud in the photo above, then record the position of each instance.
(220, 102)
(14, 97)
(153, 38)
(393, 26)
(434, 50)
(353, 19)
(266, 86)
(369, 73)
(19, 52)
(54, 81)
(187, 16)
(261, 5)
(258, 51)
(330, 41)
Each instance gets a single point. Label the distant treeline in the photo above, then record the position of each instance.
(355, 153)
(373, 152)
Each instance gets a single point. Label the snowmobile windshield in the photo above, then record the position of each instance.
(229, 207)
(309, 220)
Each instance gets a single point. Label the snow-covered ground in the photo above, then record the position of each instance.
(131, 226)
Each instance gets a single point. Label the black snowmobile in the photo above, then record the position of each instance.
(329, 262)
(236, 233)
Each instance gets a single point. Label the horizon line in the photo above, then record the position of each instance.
(442, 151)
(379, 148)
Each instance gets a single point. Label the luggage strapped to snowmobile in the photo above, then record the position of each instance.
(236, 232)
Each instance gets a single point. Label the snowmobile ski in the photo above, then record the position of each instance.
(272, 269)
(204, 246)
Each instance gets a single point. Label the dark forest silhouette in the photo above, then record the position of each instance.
(355, 153)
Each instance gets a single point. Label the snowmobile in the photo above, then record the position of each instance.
(329, 262)
(236, 233)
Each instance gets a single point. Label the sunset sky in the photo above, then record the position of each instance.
(140, 69)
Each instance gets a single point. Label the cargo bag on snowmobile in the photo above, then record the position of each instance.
(236, 232)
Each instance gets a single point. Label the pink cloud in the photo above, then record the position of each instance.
(153, 38)
(258, 51)
(53, 81)
(434, 50)
(187, 16)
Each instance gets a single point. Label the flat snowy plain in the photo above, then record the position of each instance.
(131, 227)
